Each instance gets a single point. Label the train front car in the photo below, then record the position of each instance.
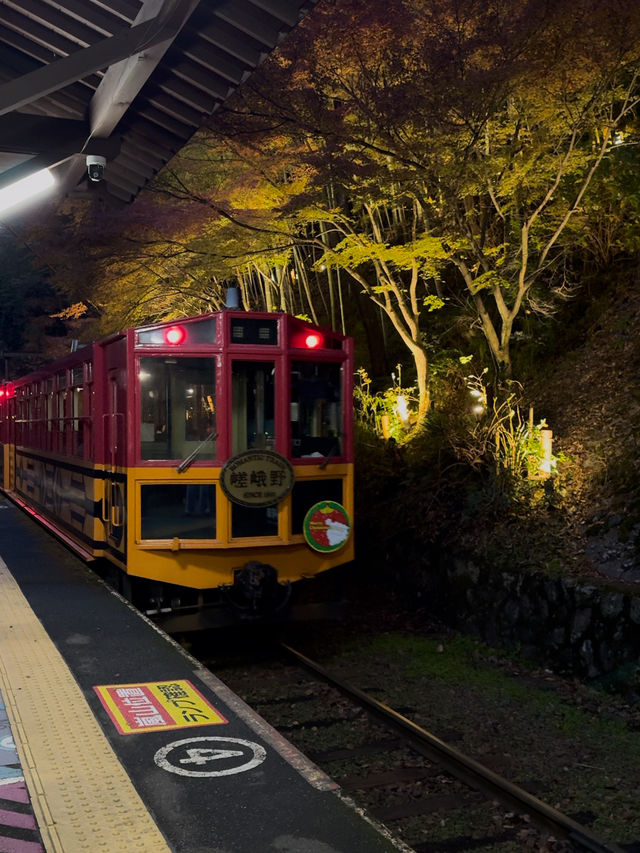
(228, 441)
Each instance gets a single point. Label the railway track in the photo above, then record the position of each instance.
(476, 776)
(429, 794)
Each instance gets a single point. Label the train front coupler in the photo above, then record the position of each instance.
(256, 592)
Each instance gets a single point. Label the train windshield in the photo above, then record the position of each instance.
(177, 407)
(253, 390)
(316, 409)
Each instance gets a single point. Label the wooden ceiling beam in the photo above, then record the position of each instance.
(124, 79)
(131, 42)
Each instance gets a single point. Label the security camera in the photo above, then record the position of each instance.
(95, 166)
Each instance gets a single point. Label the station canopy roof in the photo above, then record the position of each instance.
(128, 80)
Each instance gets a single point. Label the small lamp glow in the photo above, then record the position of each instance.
(25, 189)
(546, 444)
(402, 407)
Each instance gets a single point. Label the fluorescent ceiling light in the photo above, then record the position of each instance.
(26, 188)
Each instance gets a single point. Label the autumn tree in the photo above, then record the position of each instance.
(439, 154)
(444, 150)
(205, 223)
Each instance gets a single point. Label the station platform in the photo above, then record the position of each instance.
(113, 738)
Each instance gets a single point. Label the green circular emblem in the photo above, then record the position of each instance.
(326, 526)
(257, 478)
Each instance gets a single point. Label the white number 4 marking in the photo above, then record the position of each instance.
(186, 752)
(201, 756)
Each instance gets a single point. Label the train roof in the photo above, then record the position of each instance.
(300, 335)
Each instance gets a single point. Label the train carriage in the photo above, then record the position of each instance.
(210, 460)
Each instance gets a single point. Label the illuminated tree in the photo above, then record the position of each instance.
(446, 147)
(440, 154)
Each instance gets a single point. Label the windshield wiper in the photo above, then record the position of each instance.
(190, 458)
(333, 451)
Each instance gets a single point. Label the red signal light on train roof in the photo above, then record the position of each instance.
(175, 335)
(313, 340)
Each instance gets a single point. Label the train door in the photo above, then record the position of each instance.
(113, 502)
(253, 427)
(253, 405)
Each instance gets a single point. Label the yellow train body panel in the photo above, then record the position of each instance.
(67, 498)
(208, 563)
(87, 504)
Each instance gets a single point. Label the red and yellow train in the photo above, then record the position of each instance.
(210, 460)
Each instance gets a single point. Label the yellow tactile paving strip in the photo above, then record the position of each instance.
(82, 797)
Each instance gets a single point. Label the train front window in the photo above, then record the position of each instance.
(177, 407)
(253, 389)
(184, 510)
(316, 409)
(253, 521)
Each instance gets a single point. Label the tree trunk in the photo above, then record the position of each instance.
(422, 380)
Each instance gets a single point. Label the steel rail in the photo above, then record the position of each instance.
(464, 768)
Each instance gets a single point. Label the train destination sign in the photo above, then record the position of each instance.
(326, 526)
(157, 705)
(257, 478)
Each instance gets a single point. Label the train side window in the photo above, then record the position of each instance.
(29, 433)
(77, 415)
(28, 410)
(178, 510)
(177, 407)
(316, 409)
(61, 422)
(253, 392)
(50, 413)
(39, 418)
(22, 417)
(88, 417)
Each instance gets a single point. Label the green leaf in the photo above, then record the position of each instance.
(489, 280)
(432, 303)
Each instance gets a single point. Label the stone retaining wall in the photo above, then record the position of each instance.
(589, 629)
